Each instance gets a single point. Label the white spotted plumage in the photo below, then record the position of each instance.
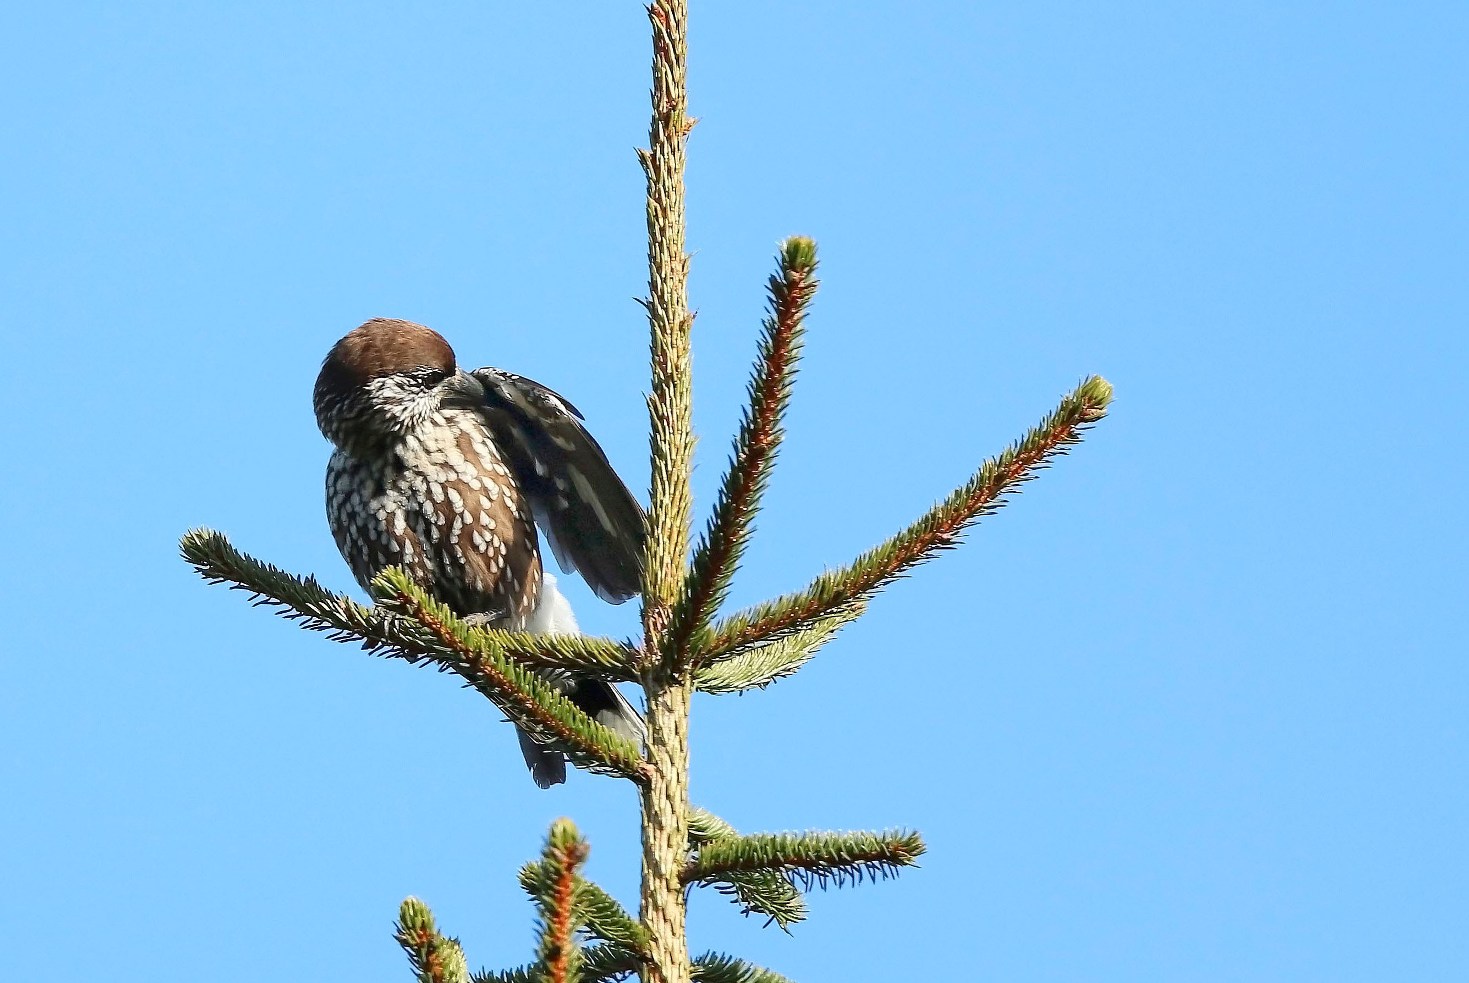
(426, 504)
(444, 473)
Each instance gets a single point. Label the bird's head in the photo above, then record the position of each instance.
(384, 379)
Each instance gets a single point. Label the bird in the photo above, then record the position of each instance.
(446, 473)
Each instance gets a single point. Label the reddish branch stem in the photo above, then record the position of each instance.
(561, 924)
(790, 296)
(914, 547)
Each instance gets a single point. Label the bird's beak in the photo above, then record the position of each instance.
(463, 391)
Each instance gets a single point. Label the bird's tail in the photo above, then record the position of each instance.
(597, 698)
(605, 704)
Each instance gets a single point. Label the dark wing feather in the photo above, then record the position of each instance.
(593, 523)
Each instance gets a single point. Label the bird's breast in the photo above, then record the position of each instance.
(442, 504)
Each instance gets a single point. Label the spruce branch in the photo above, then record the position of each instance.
(757, 666)
(527, 699)
(937, 530)
(600, 964)
(770, 893)
(608, 962)
(756, 444)
(717, 967)
(670, 401)
(304, 601)
(603, 916)
(561, 916)
(705, 827)
(664, 799)
(422, 630)
(534, 973)
(435, 959)
(814, 859)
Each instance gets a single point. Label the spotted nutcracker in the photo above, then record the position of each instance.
(446, 474)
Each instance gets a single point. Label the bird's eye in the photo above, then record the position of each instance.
(432, 377)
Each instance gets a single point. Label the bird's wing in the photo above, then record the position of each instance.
(593, 523)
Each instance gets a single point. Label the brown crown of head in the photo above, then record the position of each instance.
(382, 346)
(349, 408)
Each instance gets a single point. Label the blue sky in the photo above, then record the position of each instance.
(1191, 708)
